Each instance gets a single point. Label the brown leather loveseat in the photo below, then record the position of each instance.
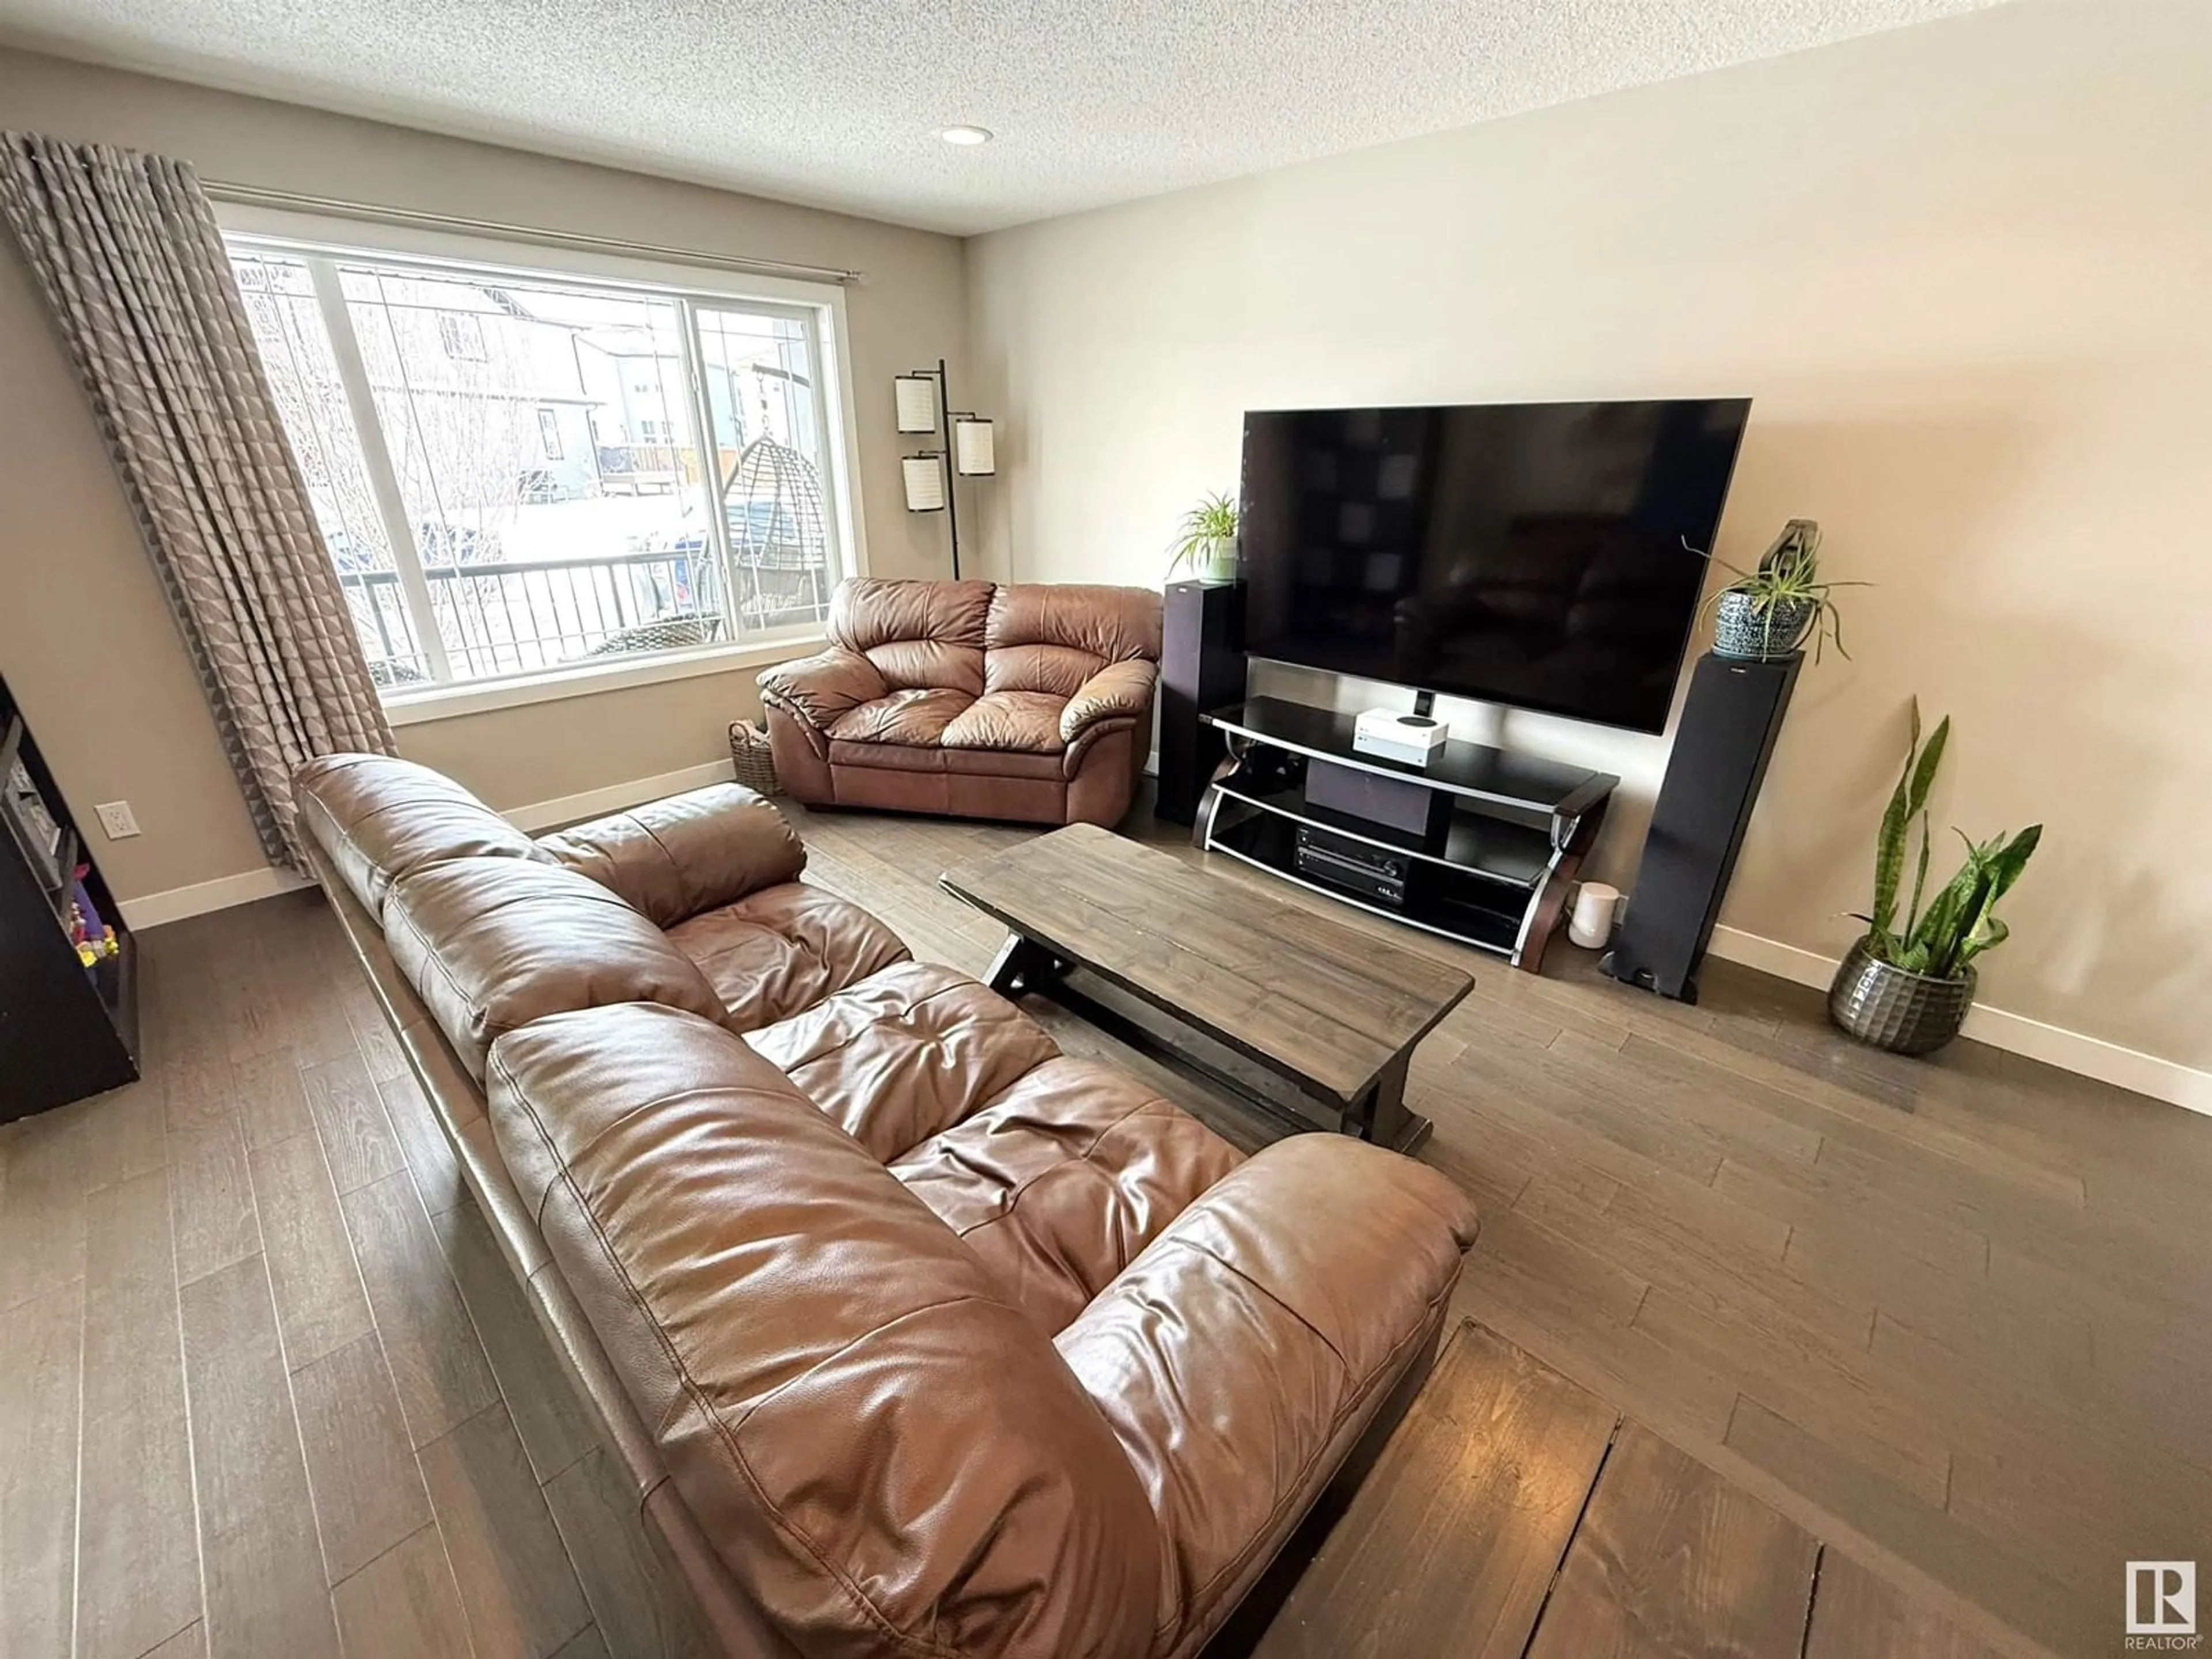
(917, 1335)
(1030, 702)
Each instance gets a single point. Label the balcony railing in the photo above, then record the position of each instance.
(519, 619)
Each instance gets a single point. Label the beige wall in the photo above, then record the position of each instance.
(1965, 272)
(86, 640)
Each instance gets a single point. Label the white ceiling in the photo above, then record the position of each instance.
(838, 102)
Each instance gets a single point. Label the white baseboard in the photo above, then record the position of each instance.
(593, 803)
(2108, 1062)
(175, 903)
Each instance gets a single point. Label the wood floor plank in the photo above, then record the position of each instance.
(403, 1605)
(1788, 1367)
(349, 1114)
(39, 1393)
(199, 1091)
(265, 1591)
(1406, 1582)
(516, 1582)
(211, 1199)
(596, 1509)
(138, 1562)
(1615, 1362)
(189, 1643)
(422, 1143)
(1673, 1562)
(272, 1100)
(42, 1207)
(321, 1303)
(1860, 1615)
(586, 1644)
(2026, 1596)
(367, 1489)
(437, 1362)
(554, 1428)
(126, 1133)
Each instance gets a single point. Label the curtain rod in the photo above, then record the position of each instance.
(255, 196)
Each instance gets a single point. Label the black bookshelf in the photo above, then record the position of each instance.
(67, 1028)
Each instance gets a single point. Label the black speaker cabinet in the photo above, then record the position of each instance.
(1727, 732)
(1201, 668)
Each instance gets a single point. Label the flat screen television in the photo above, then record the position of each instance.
(1538, 555)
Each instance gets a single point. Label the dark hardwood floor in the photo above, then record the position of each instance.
(1517, 1515)
(269, 1390)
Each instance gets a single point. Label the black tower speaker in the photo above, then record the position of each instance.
(1201, 668)
(1728, 729)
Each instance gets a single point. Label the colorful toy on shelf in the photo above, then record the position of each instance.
(94, 938)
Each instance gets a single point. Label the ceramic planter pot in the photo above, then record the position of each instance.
(1216, 560)
(1893, 1008)
(1750, 632)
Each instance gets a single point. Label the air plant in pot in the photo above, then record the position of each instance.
(1205, 541)
(1766, 613)
(1907, 983)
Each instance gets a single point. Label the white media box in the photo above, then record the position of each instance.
(1413, 738)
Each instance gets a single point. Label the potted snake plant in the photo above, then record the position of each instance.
(1766, 613)
(1906, 984)
(1205, 541)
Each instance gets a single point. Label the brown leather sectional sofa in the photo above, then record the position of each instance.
(918, 1336)
(1030, 702)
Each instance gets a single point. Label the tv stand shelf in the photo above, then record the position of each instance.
(1495, 878)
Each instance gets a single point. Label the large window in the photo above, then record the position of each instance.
(520, 472)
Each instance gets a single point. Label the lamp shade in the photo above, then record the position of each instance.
(972, 453)
(917, 401)
(925, 484)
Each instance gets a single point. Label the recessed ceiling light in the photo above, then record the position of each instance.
(964, 134)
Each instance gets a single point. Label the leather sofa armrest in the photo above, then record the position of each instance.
(820, 688)
(1120, 689)
(1302, 1284)
(671, 859)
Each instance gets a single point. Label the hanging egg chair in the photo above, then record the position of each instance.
(777, 541)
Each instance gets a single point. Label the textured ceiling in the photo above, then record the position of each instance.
(838, 102)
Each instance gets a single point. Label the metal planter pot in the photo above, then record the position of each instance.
(1894, 1008)
(1750, 632)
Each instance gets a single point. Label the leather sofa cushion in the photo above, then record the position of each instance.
(1320, 1264)
(1025, 721)
(380, 818)
(783, 949)
(979, 764)
(491, 944)
(1063, 1178)
(916, 718)
(887, 1455)
(1107, 624)
(905, 1052)
(916, 634)
(672, 859)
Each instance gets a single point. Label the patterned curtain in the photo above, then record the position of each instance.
(126, 248)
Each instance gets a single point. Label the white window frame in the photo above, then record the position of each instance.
(316, 237)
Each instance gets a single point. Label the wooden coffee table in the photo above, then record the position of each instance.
(1288, 1008)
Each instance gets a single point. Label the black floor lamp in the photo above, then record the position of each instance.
(924, 400)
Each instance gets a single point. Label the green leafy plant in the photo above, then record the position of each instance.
(1960, 922)
(1213, 520)
(1788, 577)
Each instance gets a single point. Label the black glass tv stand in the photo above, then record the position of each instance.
(1489, 865)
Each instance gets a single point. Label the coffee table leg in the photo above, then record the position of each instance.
(1383, 1117)
(1021, 965)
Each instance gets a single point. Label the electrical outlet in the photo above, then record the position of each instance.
(116, 819)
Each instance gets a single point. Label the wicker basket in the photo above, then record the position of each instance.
(750, 758)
